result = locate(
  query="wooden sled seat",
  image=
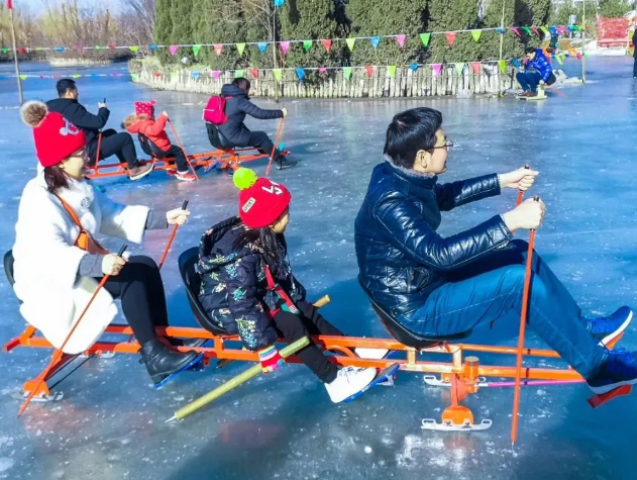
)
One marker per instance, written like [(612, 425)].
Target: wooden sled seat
[(406, 336), (192, 282)]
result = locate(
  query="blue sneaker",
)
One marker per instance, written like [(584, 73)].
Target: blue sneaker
[(619, 369), (608, 328)]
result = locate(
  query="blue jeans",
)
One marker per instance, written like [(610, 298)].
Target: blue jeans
[(487, 290), (529, 81)]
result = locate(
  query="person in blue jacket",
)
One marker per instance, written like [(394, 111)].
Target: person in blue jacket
[(439, 286), (538, 71)]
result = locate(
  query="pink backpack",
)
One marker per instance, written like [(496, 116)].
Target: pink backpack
[(215, 111)]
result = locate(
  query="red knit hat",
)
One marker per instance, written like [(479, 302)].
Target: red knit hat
[(261, 202), (56, 139), (145, 108)]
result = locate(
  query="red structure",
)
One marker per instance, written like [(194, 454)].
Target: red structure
[(612, 32)]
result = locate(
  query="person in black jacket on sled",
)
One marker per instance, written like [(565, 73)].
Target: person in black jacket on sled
[(242, 261), (112, 143), (440, 286), (238, 105)]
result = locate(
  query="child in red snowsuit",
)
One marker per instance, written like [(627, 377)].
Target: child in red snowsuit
[(143, 122)]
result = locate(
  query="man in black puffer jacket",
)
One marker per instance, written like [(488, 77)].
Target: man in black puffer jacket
[(441, 286), (238, 105), (112, 143)]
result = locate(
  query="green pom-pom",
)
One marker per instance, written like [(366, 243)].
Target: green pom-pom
[(244, 178)]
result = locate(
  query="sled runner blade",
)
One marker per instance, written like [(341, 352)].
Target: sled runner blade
[(431, 425), (384, 377)]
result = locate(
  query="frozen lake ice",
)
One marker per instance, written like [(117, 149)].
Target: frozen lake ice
[(110, 424)]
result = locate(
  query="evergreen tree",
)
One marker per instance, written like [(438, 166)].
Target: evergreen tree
[(448, 16), (163, 26), (312, 20), (380, 17), (611, 8)]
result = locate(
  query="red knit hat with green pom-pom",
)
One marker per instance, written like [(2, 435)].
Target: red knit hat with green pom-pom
[(261, 201)]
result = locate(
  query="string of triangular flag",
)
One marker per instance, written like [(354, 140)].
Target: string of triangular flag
[(284, 45)]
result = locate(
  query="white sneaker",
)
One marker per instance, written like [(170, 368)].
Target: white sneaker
[(350, 380), (371, 353)]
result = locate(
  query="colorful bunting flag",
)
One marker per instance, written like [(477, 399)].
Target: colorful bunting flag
[(451, 37), (515, 63), (536, 31), (527, 30), (560, 59), (174, 75), (370, 71), (579, 56), (476, 34), (134, 77), (97, 47), (196, 75), (254, 72), (262, 46), (300, 72), (195, 49), (414, 67), (173, 49), (459, 68), (218, 48), (327, 44), (278, 3), (285, 46), (391, 71), (401, 40), (437, 69), (503, 65), (57, 49), (500, 31), (5, 50), (516, 31), (76, 76), (134, 48), (24, 77), (216, 74), (152, 47), (307, 45), (238, 74), (156, 74), (375, 41), (477, 67), (347, 72), (277, 74), (323, 70), (241, 48), (350, 43), (545, 30), (112, 47), (425, 37)]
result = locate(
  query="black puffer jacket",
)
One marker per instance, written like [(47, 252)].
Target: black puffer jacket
[(75, 113), (238, 104), (401, 257), (234, 290)]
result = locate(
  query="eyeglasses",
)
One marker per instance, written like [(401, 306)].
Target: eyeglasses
[(448, 144)]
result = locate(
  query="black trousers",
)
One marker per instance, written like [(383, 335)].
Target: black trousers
[(141, 291), (113, 143), (180, 158), (635, 68), (293, 327)]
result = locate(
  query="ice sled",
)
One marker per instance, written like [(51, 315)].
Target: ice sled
[(463, 373), (224, 156)]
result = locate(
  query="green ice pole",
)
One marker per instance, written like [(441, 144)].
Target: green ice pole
[(233, 383)]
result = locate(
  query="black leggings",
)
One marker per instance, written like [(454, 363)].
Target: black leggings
[(293, 327), (113, 143), (141, 291), (180, 159)]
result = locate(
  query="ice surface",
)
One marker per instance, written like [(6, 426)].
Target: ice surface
[(110, 424)]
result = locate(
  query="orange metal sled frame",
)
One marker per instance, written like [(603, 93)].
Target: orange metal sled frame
[(227, 158), (462, 372)]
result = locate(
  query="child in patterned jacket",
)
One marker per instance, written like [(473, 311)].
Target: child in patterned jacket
[(239, 261)]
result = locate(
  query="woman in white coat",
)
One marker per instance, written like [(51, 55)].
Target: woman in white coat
[(58, 263)]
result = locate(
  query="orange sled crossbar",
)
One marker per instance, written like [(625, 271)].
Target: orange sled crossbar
[(464, 374), (232, 158)]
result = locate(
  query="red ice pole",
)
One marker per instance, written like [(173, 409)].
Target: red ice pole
[(181, 145), (172, 237), (523, 315), (276, 144), (58, 352)]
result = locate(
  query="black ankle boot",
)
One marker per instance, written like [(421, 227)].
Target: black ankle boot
[(161, 362), (283, 162)]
